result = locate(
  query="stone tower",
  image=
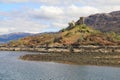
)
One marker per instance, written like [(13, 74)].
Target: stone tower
[(80, 21)]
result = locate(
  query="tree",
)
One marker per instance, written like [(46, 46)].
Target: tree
[(72, 24)]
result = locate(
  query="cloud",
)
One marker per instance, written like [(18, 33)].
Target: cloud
[(51, 15), (67, 2), (59, 25), (48, 12), (62, 15), (100, 2), (48, 2), (75, 11), (21, 25), (13, 1), (3, 30)]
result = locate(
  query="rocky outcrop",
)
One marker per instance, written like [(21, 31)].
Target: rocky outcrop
[(104, 22)]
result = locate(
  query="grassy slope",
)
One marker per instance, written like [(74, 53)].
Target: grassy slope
[(78, 35)]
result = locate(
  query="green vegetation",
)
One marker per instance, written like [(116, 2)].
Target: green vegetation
[(113, 36), (77, 35)]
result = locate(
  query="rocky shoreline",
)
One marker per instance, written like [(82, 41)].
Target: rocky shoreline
[(80, 49), (83, 55), (87, 58)]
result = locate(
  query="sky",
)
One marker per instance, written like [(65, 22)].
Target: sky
[(37, 16)]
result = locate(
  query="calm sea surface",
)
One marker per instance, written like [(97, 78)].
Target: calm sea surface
[(12, 68)]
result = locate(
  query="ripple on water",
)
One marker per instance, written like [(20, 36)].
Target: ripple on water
[(11, 68)]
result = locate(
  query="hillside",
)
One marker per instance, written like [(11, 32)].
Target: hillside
[(73, 35), (105, 22), (12, 36)]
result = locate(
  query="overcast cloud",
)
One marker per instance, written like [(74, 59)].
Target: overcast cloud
[(51, 15)]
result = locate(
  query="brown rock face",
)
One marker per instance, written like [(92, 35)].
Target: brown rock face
[(104, 22)]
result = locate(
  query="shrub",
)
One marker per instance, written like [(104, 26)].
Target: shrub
[(57, 39), (68, 34)]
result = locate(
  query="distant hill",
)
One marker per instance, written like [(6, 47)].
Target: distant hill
[(13, 36), (105, 21), (75, 35)]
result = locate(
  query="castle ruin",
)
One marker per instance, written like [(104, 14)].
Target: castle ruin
[(80, 21)]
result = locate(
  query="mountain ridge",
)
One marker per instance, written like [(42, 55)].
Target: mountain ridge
[(13, 36), (104, 21)]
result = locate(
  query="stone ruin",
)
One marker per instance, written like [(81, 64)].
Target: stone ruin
[(79, 22)]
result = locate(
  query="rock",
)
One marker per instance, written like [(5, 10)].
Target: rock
[(104, 22)]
